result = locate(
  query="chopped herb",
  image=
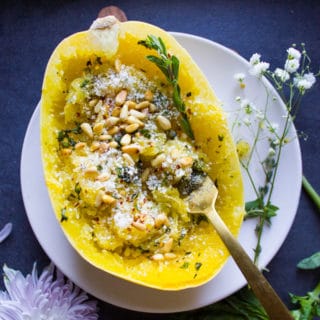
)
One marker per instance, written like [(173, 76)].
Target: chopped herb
[(145, 133), (189, 94), (99, 167), (98, 60), (198, 265), (220, 137), (64, 138), (63, 215), (185, 265), (84, 83)]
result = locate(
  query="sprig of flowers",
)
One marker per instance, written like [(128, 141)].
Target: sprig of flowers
[(291, 82)]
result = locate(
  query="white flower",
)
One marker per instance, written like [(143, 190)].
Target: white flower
[(293, 54), (259, 68), (255, 58), (304, 82), (239, 76), (246, 106), (291, 65), (271, 152), (283, 75), (37, 298)]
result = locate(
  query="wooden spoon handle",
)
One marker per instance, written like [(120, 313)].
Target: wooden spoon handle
[(269, 299)]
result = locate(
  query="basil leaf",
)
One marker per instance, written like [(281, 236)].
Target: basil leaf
[(311, 262)]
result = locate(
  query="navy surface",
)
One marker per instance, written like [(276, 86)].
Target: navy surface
[(30, 30)]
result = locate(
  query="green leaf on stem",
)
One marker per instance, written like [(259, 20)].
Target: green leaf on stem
[(311, 262)]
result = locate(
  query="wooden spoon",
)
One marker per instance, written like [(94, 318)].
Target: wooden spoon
[(203, 201)]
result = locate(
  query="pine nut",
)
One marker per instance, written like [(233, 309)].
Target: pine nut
[(103, 147), (103, 177), (164, 123), (132, 119), (98, 127), (105, 137), (148, 95), (98, 201), (86, 128), (111, 121), (132, 149), (125, 140), (170, 255), (91, 170), (116, 112), (158, 257), (152, 108), (138, 225), (142, 105), (98, 107), (132, 127), (121, 97), (93, 102), (117, 65), (66, 151), (124, 112), (167, 246), (137, 114), (160, 220), (80, 145), (108, 199), (186, 162), (94, 146), (113, 144), (131, 104), (158, 160), (145, 174), (128, 159), (113, 130)]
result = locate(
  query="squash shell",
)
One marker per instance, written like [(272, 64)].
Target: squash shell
[(113, 40)]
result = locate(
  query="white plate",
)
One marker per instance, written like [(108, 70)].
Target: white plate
[(219, 64)]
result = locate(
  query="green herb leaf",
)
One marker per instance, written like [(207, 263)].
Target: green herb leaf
[(185, 265), (309, 305), (64, 217), (169, 66), (311, 262)]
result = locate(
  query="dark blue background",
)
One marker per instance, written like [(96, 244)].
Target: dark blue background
[(30, 30)]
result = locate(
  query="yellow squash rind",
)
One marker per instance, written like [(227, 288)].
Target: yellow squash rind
[(112, 40)]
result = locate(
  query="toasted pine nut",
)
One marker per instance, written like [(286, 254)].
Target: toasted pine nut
[(170, 255), (145, 174), (113, 130), (117, 65), (124, 112), (148, 95), (105, 137), (131, 149), (186, 162), (93, 102), (128, 158), (137, 114), (103, 147), (131, 104), (98, 201), (158, 160), (132, 119), (98, 107), (111, 121), (160, 220), (91, 170), (97, 128), (107, 199), (167, 246), (80, 145), (121, 97), (142, 105), (86, 128), (113, 144), (94, 146), (103, 177), (158, 257), (66, 151), (132, 127), (116, 112), (138, 225), (125, 140), (152, 108), (164, 123)]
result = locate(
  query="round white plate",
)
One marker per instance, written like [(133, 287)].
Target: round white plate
[(219, 64)]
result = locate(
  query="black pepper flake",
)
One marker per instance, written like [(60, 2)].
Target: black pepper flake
[(189, 94)]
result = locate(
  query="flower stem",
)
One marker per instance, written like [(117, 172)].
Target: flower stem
[(311, 192)]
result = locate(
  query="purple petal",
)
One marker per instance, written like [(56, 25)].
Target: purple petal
[(6, 230)]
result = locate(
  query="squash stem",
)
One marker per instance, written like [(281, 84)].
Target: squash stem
[(311, 191)]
